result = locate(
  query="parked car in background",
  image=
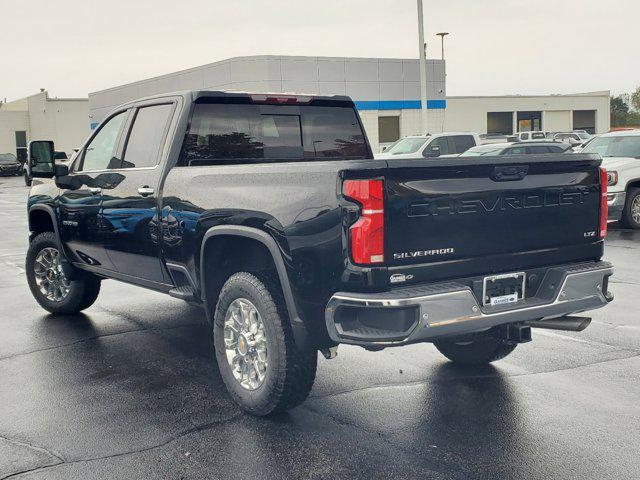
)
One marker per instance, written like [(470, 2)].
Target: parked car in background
[(487, 138), (620, 152), (530, 136), (518, 148), (431, 145), (60, 157), (9, 164), (581, 147), (574, 139)]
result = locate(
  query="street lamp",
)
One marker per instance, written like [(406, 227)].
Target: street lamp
[(442, 35), (423, 69)]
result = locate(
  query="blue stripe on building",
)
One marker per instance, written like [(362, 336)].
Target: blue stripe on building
[(398, 104)]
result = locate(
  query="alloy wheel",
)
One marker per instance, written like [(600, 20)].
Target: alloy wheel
[(49, 275), (635, 209), (245, 343)]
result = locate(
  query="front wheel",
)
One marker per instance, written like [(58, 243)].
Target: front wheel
[(27, 179), (48, 283), (631, 212), (478, 349), (259, 362)]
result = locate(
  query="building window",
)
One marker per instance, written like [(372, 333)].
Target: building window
[(388, 129), (529, 121), (21, 145), (500, 123)]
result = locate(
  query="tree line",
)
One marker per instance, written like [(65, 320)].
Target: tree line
[(625, 109)]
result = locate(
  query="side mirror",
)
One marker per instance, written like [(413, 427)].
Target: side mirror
[(41, 159), (433, 151)]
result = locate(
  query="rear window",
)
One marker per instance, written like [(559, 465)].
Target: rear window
[(406, 146), (482, 151), (618, 146), (462, 143), (249, 133)]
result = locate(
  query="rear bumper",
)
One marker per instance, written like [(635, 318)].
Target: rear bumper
[(428, 312), (615, 202)]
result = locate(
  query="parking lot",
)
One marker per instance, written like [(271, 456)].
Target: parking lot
[(130, 390)]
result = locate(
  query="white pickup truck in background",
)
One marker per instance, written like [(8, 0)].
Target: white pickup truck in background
[(431, 145), (620, 153)]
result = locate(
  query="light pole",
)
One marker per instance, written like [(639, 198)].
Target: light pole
[(423, 71), (442, 35)]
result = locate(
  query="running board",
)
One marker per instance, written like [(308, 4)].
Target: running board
[(183, 293), (571, 324)]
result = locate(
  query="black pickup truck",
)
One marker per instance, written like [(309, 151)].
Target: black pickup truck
[(270, 211)]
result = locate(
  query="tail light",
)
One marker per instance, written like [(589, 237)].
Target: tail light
[(366, 235), (270, 98), (604, 207)]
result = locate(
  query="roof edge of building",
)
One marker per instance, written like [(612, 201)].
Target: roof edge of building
[(258, 57)]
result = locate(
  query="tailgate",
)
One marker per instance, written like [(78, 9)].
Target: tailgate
[(482, 214)]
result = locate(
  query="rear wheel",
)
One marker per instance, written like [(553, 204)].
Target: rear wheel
[(48, 283), (259, 362), (478, 349), (631, 212)]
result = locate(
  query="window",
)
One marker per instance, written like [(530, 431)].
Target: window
[(462, 143), (500, 123), (538, 136), (556, 149), (618, 146), (388, 129), (145, 140), (516, 151), (482, 151), (241, 133), (100, 153), (21, 145), (406, 145), (442, 142), (537, 149)]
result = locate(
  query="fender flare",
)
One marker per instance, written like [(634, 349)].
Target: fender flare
[(299, 331), (54, 221), (70, 271)]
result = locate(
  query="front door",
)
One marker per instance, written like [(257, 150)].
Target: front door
[(82, 229), (130, 209)]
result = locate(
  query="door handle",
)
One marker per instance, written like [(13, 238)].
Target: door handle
[(145, 191), (95, 190)]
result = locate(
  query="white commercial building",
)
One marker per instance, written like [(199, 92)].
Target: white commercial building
[(38, 117), (386, 91)]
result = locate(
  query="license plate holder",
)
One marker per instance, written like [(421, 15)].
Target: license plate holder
[(503, 289)]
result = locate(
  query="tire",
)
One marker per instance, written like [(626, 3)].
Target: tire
[(477, 350), (631, 212), (81, 293), (27, 180), (288, 374)]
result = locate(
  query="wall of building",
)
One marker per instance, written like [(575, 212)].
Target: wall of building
[(10, 122), (65, 121), (470, 113), (380, 87), (388, 86)]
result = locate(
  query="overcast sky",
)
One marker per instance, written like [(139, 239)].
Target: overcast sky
[(73, 47)]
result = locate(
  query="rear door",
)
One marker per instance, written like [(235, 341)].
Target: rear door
[(82, 228), (130, 208)]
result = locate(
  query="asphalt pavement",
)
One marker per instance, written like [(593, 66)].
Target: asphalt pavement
[(130, 390)]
